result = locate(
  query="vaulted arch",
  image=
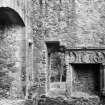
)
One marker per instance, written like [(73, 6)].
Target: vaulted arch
[(9, 17)]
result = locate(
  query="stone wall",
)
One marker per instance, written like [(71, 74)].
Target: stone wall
[(70, 21), (74, 23), (16, 43)]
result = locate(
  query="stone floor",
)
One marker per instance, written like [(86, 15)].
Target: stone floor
[(52, 101), (73, 101)]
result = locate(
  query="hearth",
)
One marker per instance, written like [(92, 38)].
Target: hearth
[(86, 78)]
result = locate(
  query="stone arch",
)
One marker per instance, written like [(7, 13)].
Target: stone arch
[(12, 37), (9, 17)]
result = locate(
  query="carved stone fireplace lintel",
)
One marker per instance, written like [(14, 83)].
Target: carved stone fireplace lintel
[(95, 56)]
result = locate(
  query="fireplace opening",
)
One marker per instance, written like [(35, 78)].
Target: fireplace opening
[(86, 78)]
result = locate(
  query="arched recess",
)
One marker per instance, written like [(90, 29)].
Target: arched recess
[(9, 17), (12, 41)]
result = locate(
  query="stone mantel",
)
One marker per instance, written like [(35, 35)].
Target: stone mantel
[(86, 56)]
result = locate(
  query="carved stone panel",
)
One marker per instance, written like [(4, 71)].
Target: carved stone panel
[(87, 56)]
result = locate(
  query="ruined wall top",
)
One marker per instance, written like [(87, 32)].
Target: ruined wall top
[(75, 23)]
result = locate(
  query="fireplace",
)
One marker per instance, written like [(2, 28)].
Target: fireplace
[(86, 78), (85, 72)]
